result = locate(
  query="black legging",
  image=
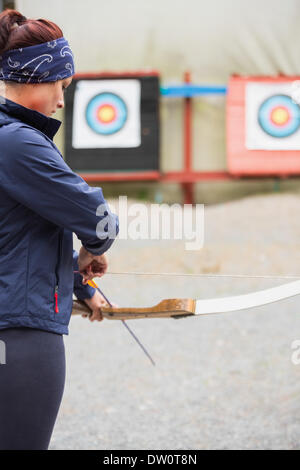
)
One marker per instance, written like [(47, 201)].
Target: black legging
[(31, 387)]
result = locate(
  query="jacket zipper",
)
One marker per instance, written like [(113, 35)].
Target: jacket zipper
[(57, 276), (56, 299)]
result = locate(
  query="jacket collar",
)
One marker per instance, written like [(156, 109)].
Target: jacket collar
[(47, 125)]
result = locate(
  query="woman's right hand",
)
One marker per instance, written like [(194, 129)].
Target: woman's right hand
[(90, 265)]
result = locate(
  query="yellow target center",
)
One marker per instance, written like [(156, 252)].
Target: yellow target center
[(106, 113), (280, 116)]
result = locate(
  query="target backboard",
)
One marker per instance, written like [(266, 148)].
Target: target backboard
[(263, 125), (112, 123)]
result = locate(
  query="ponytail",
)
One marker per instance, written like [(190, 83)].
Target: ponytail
[(18, 31), (9, 20)]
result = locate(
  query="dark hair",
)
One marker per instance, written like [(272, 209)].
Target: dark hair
[(18, 31)]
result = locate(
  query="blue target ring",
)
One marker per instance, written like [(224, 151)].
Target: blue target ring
[(279, 116), (106, 113)]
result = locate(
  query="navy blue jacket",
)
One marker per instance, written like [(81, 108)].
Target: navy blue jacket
[(42, 201)]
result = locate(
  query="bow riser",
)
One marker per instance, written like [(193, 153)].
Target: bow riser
[(165, 309)]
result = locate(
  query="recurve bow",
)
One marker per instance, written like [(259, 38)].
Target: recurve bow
[(178, 308)]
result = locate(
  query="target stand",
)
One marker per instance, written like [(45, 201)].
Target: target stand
[(263, 126)]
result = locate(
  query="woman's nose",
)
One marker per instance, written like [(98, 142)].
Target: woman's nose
[(61, 104)]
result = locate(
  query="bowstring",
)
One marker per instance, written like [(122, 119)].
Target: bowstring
[(239, 276)]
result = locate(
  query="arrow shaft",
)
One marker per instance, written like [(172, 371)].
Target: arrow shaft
[(126, 326)]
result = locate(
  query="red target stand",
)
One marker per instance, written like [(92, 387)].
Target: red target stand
[(263, 126), (187, 177), (262, 130)]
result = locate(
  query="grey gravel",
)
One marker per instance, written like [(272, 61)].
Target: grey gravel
[(220, 382)]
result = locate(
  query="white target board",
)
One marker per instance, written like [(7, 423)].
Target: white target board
[(272, 117), (106, 114)]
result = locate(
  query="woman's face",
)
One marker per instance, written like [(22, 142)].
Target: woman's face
[(43, 97), (48, 97)]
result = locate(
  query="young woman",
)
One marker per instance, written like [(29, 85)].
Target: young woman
[(42, 201)]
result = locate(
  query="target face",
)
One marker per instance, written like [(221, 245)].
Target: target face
[(279, 116), (272, 117), (106, 114)]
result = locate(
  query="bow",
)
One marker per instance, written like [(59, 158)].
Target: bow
[(178, 308)]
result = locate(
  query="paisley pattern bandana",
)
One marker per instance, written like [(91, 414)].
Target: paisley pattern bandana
[(46, 62)]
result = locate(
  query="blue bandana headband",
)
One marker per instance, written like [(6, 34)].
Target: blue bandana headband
[(46, 62)]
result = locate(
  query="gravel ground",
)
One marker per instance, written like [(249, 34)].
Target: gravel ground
[(220, 382)]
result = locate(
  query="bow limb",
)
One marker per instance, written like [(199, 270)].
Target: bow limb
[(245, 301)]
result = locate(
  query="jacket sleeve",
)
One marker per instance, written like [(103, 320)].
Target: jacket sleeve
[(82, 291), (35, 174)]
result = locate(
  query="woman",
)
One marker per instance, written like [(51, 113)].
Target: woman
[(41, 203)]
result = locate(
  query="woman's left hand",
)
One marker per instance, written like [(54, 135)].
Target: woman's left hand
[(95, 304)]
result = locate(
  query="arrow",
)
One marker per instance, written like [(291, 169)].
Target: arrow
[(93, 284)]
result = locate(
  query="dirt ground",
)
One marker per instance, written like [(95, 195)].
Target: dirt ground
[(221, 382)]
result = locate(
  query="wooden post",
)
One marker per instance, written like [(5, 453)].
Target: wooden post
[(188, 194)]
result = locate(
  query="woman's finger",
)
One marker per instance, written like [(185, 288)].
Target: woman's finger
[(89, 276), (96, 315)]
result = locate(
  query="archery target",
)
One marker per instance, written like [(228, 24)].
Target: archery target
[(272, 117), (279, 116), (106, 114)]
